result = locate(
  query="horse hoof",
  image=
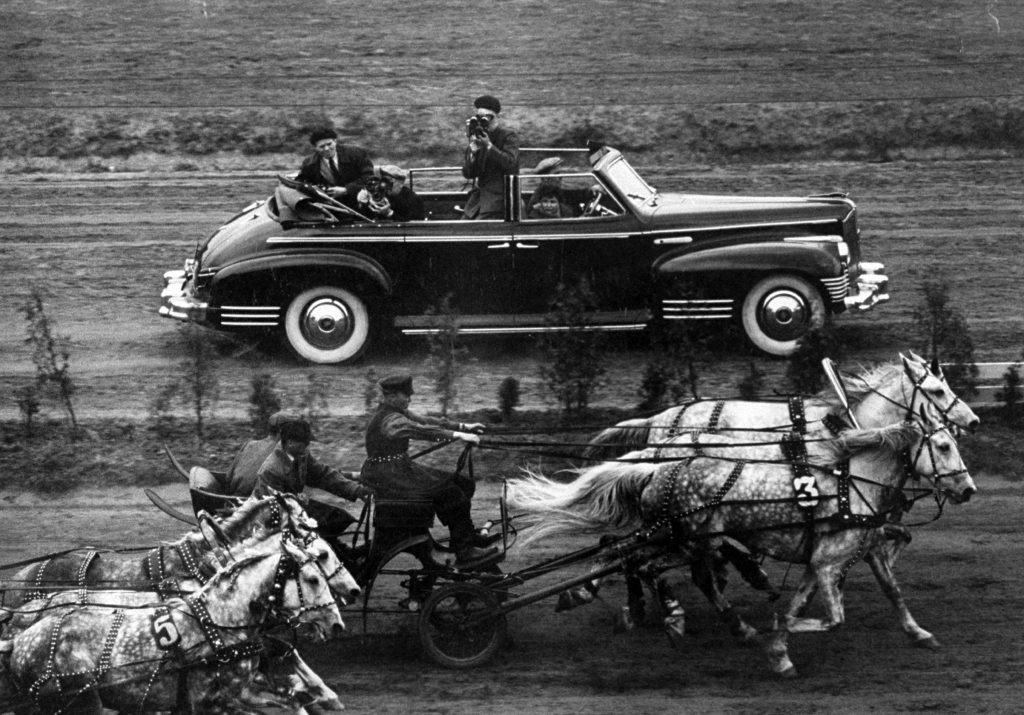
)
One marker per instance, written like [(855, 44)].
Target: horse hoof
[(929, 643), (788, 674)]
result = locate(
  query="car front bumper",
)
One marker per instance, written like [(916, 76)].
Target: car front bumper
[(872, 288), (175, 301)]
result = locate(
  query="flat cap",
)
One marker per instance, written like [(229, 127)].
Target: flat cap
[(397, 383), (277, 419), (391, 171), (297, 430), (487, 101)]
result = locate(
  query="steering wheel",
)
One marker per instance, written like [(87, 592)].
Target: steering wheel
[(594, 207)]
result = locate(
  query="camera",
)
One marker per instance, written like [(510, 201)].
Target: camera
[(477, 126), (378, 188)]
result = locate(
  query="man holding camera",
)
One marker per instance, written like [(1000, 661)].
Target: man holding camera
[(492, 154), (386, 196)]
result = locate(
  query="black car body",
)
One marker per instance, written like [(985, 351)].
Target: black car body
[(327, 278)]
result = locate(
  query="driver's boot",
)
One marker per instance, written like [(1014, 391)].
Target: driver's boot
[(463, 535)]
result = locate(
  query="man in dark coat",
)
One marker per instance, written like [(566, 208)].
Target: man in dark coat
[(339, 169), (241, 475), (492, 154), (290, 468), (392, 474)]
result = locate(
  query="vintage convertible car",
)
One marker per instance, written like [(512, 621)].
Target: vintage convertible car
[(328, 277)]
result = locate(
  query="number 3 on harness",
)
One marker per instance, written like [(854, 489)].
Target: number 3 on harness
[(806, 490)]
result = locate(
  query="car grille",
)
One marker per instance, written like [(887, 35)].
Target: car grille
[(697, 309), (243, 316), (837, 288)]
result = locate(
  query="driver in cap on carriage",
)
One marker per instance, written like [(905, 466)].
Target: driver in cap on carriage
[(392, 474), (290, 468)]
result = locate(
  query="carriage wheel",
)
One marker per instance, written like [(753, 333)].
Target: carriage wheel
[(461, 626)]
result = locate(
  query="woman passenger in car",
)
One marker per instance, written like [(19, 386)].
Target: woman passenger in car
[(547, 202)]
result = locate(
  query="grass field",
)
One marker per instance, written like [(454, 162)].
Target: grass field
[(193, 84)]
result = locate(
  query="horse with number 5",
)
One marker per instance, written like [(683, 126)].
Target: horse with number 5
[(191, 653), (693, 504)]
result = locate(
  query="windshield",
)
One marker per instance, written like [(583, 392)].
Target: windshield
[(629, 182)]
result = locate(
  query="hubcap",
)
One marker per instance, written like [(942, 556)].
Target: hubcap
[(327, 323), (784, 315)]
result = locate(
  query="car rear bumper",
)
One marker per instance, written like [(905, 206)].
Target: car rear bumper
[(872, 288), (175, 302)]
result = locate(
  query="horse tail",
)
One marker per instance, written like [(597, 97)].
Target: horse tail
[(612, 442), (601, 498)]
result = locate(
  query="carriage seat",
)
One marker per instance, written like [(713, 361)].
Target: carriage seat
[(203, 478), (403, 513)]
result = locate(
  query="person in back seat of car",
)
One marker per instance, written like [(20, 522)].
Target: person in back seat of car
[(387, 197), (392, 474), (291, 468), (492, 154), (340, 170)]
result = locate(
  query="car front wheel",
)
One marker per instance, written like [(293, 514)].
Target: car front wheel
[(779, 310), (327, 325)]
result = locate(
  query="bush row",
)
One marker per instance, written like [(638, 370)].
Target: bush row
[(871, 130)]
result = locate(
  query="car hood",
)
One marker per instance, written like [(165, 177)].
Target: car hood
[(242, 236), (712, 211)]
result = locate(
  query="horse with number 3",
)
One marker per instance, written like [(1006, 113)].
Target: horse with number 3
[(691, 505)]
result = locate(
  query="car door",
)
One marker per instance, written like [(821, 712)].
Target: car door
[(469, 260), (605, 249)]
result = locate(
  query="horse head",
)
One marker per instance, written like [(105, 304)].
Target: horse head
[(936, 457), (308, 597), (929, 385), (924, 446)]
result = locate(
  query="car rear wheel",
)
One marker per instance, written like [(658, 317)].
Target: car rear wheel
[(779, 310), (327, 325)]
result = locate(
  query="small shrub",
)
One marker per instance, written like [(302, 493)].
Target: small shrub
[(508, 397), (160, 412), (264, 401), (313, 401), (445, 352), (752, 385), (51, 356), (804, 371), (199, 380), (371, 391), (944, 336), (1011, 396), (28, 406), (573, 361)]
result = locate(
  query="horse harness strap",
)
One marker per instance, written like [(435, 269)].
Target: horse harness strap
[(41, 591), (222, 652), (797, 414), (713, 503)]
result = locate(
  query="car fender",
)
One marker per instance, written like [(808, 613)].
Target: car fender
[(806, 258), (314, 260)]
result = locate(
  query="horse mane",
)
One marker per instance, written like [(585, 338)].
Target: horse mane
[(242, 519), (891, 438), (863, 384)]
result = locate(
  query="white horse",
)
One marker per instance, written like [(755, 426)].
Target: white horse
[(786, 432), (691, 505), (199, 651)]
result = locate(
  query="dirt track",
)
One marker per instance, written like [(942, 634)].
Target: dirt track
[(100, 242), (960, 575)]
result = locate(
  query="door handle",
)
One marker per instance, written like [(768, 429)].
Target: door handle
[(520, 244), (506, 244)]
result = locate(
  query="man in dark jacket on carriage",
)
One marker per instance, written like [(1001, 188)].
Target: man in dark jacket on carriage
[(241, 475), (290, 468), (391, 473)]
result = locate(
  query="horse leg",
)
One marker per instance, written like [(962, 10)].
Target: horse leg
[(748, 567), (704, 576), (881, 566), (675, 615), (828, 577)]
